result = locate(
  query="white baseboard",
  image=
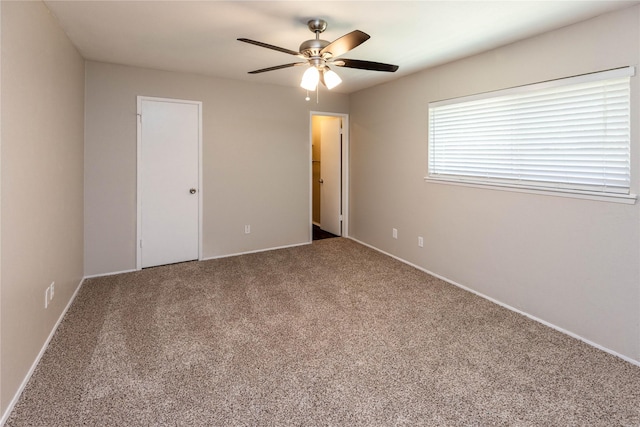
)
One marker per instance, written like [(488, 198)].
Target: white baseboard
[(256, 251), (109, 274), (508, 307), (18, 393)]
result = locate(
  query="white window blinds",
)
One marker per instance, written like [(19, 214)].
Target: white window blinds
[(569, 134)]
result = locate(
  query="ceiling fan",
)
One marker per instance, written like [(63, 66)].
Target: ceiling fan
[(319, 54)]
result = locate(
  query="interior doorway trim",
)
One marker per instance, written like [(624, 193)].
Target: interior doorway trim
[(139, 172), (345, 171)]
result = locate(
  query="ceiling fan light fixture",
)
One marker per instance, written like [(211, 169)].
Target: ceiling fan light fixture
[(331, 78), (310, 79)]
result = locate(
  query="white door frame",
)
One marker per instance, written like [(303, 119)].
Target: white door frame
[(345, 171), (139, 172)]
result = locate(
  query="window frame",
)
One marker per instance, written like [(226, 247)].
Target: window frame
[(532, 186)]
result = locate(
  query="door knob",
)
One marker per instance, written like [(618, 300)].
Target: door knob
[(192, 191), (321, 180)]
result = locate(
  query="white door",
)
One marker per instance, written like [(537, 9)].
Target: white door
[(330, 174), (168, 192)]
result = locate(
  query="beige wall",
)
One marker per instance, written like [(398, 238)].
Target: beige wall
[(256, 166), (42, 189), (571, 262)]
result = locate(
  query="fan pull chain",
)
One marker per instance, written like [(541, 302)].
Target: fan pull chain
[(307, 98)]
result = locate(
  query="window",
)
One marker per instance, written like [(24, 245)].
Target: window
[(568, 135)]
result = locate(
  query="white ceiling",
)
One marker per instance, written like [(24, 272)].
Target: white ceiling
[(200, 37)]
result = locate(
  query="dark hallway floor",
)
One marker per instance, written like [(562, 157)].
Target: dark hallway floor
[(319, 234)]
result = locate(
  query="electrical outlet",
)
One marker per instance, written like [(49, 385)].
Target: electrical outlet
[(420, 242), (394, 233), (247, 229)]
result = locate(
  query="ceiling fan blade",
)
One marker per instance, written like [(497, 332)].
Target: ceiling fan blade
[(277, 67), (365, 65), (345, 43), (270, 46)]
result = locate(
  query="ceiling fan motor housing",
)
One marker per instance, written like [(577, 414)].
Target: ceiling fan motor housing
[(312, 48)]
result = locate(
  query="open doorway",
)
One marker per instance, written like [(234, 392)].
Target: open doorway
[(328, 175)]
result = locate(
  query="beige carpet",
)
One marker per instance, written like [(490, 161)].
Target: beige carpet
[(332, 333)]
